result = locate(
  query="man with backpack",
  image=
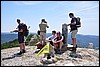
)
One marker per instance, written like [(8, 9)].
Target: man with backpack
[(20, 36), (74, 29)]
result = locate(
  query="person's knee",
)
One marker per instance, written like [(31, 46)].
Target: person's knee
[(73, 38), (61, 43)]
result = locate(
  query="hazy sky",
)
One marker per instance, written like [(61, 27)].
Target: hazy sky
[(55, 13)]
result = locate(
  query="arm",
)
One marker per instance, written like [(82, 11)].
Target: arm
[(18, 30), (73, 22), (47, 25), (61, 39), (53, 40), (48, 39), (68, 24)]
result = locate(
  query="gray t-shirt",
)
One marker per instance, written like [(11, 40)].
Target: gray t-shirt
[(43, 26)]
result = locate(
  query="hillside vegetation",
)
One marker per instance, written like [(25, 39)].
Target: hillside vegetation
[(15, 43)]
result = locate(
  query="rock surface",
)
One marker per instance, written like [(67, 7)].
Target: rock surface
[(85, 57)]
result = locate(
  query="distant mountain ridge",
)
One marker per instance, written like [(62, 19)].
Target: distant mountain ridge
[(82, 40)]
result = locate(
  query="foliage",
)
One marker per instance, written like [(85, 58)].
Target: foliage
[(15, 43), (34, 41), (10, 44), (28, 39)]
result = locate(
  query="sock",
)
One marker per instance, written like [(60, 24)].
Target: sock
[(74, 45), (21, 50)]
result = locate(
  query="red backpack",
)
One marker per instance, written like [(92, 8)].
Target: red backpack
[(38, 46), (25, 30)]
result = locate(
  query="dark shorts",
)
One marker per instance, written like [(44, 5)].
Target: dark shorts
[(21, 39)]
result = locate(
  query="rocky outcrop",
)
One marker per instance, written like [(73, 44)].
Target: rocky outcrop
[(85, 57)]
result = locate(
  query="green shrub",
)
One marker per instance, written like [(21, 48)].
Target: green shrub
[(15, 43), (10, 44)]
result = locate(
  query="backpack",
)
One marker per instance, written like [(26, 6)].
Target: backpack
[(78, 23), (38, 46), (38, 32), (25, 30)]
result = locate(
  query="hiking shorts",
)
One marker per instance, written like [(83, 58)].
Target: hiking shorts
[(73, 34), (21, 39), (42, 35)]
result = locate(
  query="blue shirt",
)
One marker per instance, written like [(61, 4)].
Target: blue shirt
[(19, 28)]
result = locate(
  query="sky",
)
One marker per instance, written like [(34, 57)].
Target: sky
[(56, 13)]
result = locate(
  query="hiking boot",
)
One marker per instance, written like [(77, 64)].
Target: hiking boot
[(59, 51), (20, 53), (48, 56), (56, 51), (53, 56), (73, 53), (76, 45), (24, 51), (74, 49)]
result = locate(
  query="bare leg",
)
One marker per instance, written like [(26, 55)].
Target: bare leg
[(74, 42), (43, 41), (41, 38), (61, 44), (24, 46), (55, 45), (21, 47), (74, 37)]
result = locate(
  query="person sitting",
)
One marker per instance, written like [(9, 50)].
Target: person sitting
[(58, 43), (50, 38)]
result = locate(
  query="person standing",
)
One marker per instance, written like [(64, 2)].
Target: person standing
[(43, 25), (20, 37), (73, 30)]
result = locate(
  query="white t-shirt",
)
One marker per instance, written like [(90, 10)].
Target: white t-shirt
[(51, 37)]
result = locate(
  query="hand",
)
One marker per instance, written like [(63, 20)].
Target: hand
[(59, 41), (11, 31), (54, 41), (47, 26)]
